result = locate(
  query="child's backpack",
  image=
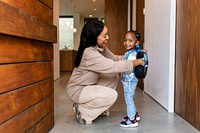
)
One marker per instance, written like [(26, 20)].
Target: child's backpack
[(141, 71)]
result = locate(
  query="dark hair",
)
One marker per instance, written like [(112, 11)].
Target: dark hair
[(91, 30), (137, 34)]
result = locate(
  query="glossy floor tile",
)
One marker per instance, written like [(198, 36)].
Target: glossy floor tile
[(154, 118)]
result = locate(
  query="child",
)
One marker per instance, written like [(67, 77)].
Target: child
[(129, 80)]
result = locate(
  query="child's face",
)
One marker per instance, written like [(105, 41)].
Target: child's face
[(130, 40)]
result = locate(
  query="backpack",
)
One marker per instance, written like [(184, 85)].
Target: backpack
[(140, 70)]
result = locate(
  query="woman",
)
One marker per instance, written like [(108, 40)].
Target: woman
[(95, 76)]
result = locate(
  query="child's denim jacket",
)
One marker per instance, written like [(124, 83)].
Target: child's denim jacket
[(129, 55)]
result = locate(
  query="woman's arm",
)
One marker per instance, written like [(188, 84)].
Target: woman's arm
[(138, 62), (108, 54)]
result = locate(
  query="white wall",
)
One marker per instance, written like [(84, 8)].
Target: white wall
[(160, 43), (56, 54)]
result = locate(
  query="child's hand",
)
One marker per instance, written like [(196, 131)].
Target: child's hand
[(144, 50), (137, 42)]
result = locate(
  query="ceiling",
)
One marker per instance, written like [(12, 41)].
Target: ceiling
[(82, 7)]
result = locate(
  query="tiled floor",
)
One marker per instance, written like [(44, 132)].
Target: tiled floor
[(154, 118)]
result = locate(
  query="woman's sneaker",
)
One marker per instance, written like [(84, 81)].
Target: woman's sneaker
[(129, 123), (137, 117), (105, 113), (78, 115)]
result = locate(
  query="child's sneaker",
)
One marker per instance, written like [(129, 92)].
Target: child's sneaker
[(79, 117), (129, 123), (137, 117)]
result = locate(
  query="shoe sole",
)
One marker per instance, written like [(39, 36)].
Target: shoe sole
[(129, 126)]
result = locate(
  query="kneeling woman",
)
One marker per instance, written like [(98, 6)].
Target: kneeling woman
[(95, 76)]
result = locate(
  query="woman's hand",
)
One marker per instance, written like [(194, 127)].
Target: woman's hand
[(138, 62)]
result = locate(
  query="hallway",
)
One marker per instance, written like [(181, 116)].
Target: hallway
[(154, 118)]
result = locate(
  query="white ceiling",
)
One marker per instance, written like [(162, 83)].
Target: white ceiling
[(83, 7)]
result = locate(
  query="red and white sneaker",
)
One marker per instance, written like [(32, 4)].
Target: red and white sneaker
[(137, 117), (129, 123)]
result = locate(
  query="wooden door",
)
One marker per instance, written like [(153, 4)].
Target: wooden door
[(187, 70), (140, 28), (26, 66), (116, 19)]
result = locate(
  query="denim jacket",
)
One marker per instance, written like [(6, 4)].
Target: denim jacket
[(129, 55)]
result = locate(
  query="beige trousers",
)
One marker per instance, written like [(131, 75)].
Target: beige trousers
[(96, 99)]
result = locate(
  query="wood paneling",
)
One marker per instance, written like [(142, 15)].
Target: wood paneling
[(140, 20), (29, 118), (26, 66), (67, 58), (140, 28), (13, 76), (30, 50), (116, 16), (48, 3), (46, 122), (33, 7), (187, 71), (25, 25), (19, 100)]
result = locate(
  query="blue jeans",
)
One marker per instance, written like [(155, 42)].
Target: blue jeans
[(129, 90)]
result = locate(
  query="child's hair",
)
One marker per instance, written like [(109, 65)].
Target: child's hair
[(137, 34)]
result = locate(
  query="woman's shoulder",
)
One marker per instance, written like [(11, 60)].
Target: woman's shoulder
[(91, 51), (94, 48)]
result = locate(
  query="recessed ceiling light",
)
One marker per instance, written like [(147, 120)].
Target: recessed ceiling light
[(90, 16), (95, 9), (93, 0), (74, 30)]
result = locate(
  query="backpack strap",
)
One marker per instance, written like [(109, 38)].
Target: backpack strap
[(146, 59)]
